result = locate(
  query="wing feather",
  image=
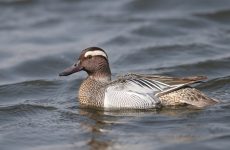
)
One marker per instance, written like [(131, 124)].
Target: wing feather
[(142, 91)]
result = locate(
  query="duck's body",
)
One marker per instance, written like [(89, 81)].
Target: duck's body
[(132, 91), (124, 93)]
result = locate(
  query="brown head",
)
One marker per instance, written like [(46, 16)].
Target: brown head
[(94, 61)]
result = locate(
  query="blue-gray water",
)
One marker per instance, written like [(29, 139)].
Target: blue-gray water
[(39, 38)]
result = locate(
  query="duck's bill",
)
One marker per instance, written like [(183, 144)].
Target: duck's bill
[(70, 70)]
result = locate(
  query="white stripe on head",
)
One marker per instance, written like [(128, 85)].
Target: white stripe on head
[(95, 53)]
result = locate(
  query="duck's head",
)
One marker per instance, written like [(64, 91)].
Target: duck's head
[(94, 61)]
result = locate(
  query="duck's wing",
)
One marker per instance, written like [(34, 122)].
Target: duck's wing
[(129, 93), (135, 92), (167, 79), (117, 98), (160, 84)]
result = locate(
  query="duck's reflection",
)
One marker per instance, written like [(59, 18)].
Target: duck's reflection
[(97, 126), (100, 122)]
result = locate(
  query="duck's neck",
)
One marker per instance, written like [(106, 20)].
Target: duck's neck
[(101, 75)]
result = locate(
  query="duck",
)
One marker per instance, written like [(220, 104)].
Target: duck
[(132, 90)]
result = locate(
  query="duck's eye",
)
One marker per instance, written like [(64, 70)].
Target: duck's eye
[(90, 56)]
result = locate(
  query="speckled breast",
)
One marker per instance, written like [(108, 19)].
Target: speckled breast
[(91, 93)]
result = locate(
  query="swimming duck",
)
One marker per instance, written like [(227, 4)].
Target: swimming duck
[(132, 91)]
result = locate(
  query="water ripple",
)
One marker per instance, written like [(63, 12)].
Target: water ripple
[(221, 16)]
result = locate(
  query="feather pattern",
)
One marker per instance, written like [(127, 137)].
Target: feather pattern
[(133, 93), (115, 98), (140, 91)]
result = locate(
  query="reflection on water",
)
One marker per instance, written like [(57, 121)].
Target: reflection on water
[(97, 128), (100, 123)]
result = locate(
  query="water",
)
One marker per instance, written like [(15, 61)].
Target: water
[(39, 38)]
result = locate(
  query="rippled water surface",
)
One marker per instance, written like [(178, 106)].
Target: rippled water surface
[(39, 38)]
